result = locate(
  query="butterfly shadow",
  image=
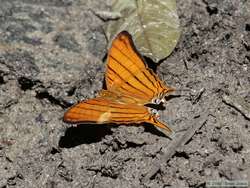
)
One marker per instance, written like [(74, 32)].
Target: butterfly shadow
[(84, 134), (153, 130), (150, 63)]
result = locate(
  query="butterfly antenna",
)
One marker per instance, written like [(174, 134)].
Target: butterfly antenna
[(182, 92)]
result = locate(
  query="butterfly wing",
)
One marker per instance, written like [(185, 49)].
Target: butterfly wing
[(101, 110), (130, 85), (127, 73)]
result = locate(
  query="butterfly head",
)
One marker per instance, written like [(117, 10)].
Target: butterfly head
[(161, 98), (154, 112)]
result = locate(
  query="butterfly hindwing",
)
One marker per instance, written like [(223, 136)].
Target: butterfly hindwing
[(108, 109)]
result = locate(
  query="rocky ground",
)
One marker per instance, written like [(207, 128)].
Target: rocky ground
[(51, 56)]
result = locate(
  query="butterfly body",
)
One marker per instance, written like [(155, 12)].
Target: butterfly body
[(130, 86)]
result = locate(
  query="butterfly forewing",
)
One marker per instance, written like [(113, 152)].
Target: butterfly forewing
[(102, 110), (127, 73)]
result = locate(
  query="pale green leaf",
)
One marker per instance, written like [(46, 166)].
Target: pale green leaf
[(154, 25)]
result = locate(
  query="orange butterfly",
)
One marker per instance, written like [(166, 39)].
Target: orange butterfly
[(130, 86)]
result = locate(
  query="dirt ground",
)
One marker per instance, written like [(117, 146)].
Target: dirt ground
[(51, 56)]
